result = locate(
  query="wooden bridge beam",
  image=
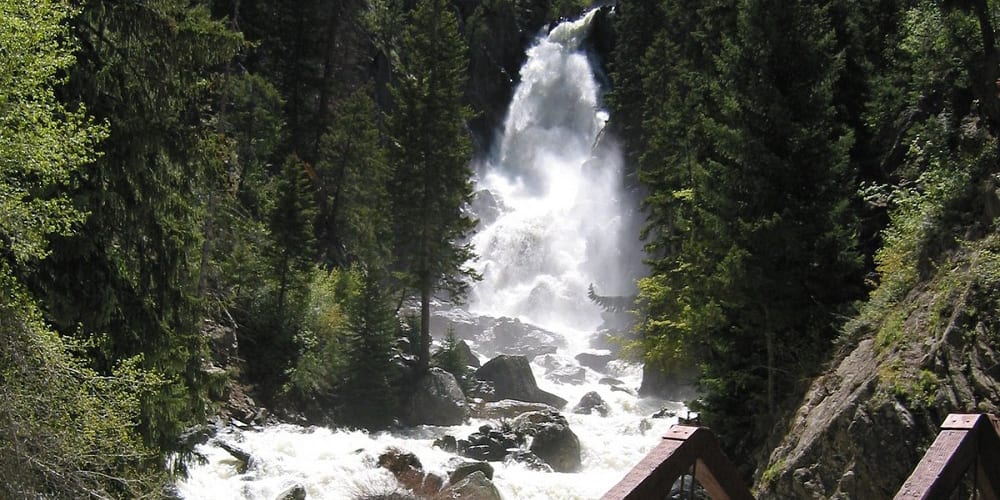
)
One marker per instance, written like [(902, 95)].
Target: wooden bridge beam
[(682, 447), (965, 442)]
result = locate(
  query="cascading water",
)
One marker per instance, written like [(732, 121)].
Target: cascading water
[(558, 221), (565, 222)]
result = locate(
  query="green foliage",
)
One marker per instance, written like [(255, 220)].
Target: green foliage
[(367, 394), (322, 343), (65, 430), (749, 234), (42, 142), (354, 209), (346, 350), (452, 360)]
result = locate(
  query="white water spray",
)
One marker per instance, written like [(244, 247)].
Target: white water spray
[(566, 220), (562, 223)]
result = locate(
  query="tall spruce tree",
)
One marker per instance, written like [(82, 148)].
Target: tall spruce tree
[(777, 196), (131, 271), (367, 394), (354, 207), (432, 182)]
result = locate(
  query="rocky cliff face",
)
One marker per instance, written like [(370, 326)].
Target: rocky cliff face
[(866, 423)]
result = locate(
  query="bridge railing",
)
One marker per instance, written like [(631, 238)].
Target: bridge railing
[(682, 449), (966, 443)]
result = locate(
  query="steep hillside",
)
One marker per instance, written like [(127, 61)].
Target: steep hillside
[(864, 425)]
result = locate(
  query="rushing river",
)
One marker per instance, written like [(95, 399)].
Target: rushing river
[(561, 221)]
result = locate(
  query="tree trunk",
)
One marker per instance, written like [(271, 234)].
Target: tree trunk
[(424, 359)]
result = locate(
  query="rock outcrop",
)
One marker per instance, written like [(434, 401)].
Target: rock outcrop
[(511, 378), (863, 426), (436, 399)]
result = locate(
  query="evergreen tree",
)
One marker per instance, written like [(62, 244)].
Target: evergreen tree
[(432, 181), (367, 394), (66, 431), (354, 175), (132, 270), (778, 199)]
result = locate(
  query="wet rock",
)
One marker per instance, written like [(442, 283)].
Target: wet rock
[(591, 403), (505, 409), (407, 469), (512, 379), (396, 461), (610, 381), (294, 492), (665, 413), (568, 375), (446, 443), (621, 388), (598, 362), (464, 469), (554, 442), (244, 460), (529, 459), (486, 206), (474, 486), (437, 399), (496, 335)]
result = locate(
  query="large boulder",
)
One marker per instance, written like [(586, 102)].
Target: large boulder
[(554, 442), (436, 400), (598, 362), (474, 486), (511, 378), (505, 409)]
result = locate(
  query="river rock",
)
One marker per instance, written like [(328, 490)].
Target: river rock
[(505, 409), (446, 443), (486, 206), (593, 361), (590, 403), (490, 445), (293, 492), (554, 442), (512, 379), (407, 469), (575, 375), (529, 459), (465, 468), (474, 486), (436, 400)]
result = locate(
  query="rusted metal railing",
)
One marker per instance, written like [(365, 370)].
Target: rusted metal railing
[(682, 449), (966, 443)]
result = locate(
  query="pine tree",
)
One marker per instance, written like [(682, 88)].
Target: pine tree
[(777, 203), (131, 271), (354, 174), (432, 182), (367, 394)]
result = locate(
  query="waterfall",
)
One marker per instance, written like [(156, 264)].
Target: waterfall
[(554, 219), (565, 219)]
